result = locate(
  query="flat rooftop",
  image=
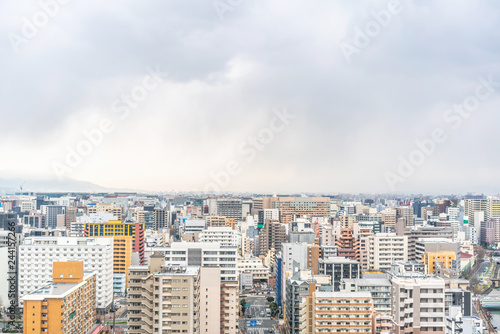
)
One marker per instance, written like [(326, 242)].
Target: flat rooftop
[(56, 290)]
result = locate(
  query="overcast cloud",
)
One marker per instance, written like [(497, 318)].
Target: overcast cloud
[(226, 78)]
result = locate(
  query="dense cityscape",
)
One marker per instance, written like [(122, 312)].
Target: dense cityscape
[(138, 263), (249, 167)]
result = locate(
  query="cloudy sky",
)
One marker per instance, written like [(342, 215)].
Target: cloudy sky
[(275, 96)]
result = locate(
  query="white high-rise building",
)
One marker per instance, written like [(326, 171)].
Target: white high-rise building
[(211, 254), (380, 251), (226, 236), (452, 212), (37, 255)]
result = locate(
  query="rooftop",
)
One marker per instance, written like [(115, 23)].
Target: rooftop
[(57, 290), (343, 294)]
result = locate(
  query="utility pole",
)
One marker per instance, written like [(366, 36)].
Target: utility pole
[(114, 311)]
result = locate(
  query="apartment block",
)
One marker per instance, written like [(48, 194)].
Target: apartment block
[(444, 259), (230, 208), (424, 232), (379, 288), (302, 206), (389, 218), (160, 219), (405, 213), (37, 255), (471, 206), (347, 244), (221, 221), (122, 254), (338, 269), (163, 299), (347, 222), (117, 211), (272, 235), (418, 305), (115, 228), (203, 254), (67, 305), (381, 250), (253, 265), (346, 312), (225, 236), (180, 299)]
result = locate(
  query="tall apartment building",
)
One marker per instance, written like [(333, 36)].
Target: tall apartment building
[(180, 299), (291, 255), (418, 305), (302, 206), (380, 251), (493, 208), (70, 216), (260, 203), (160, 219), (163, 299), (67, 305), (296, 308), (437, 245), (272, 235), (471, 206), (338, 269), (311, 309), (37, 255), (52, 213), (487, 233), (405, 212), (268, 214), (445, 259), (253, 265), (122, 254), (221, 221), (230, 208), (346, 312), (389, 218), (203, 254), (347, 222), (424, 232), (225, 236), (314, 253), (114, 228), (347, 245), (112, 208), (35, 221), (379, 288)]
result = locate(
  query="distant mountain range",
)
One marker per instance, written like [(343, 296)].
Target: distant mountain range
[(13, 185)]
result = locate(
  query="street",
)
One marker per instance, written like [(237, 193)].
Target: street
[(257, 321)]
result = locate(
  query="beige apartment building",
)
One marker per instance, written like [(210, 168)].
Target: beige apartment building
[(347, 221), (418, 305), (389, 217), (117, 211), (406, 214), (348, 312), (180, 299), (332, 312), (221, 221), (289, 206)]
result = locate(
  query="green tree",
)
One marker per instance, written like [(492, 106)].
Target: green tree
[(270, 299), (243, 308), (274, 308)]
